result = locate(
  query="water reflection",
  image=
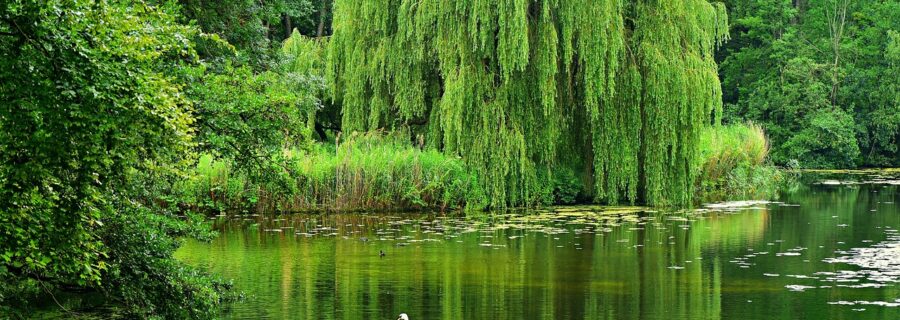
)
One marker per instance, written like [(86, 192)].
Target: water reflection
[(575, 262)]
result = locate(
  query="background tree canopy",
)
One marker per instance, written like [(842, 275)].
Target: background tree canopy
[(820, 76), (256, 28)]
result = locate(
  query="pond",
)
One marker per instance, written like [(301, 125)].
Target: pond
[(827, 249)]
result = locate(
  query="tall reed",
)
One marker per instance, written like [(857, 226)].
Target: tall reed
[(733, 164)]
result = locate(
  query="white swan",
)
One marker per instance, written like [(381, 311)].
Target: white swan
[(403, 316)]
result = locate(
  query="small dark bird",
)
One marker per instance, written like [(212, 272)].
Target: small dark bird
[(381, 253)]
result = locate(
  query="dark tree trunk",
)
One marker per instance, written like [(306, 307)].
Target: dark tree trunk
[(799, 5), (286, 22), (323, 11)]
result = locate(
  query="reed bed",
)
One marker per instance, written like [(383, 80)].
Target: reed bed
[(367, 172)]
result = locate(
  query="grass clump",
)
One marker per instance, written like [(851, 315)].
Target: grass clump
[(733, 164)]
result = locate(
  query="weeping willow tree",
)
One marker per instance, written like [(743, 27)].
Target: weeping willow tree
[(614, 89)]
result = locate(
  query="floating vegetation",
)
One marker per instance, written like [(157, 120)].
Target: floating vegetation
[(878, 266), (431, 228), (889, 177), (739, 205), (874, 171), (893, 182), (800, 276), (880, 263), (893, 304), (798, 288)]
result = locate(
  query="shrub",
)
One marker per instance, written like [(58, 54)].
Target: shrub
[(567, 188), (733, 164), (828, 142)]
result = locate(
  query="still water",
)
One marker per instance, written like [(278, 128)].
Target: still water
[(826, 250)]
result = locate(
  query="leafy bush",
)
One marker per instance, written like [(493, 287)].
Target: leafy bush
[(94, 103), (567, 188), (143, 276), (212, 186), (829, 141)]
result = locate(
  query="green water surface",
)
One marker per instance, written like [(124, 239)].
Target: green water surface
[(825, 251)]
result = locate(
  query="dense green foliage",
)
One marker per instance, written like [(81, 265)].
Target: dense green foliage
[(89, 108), (819, 76), (516, 87)]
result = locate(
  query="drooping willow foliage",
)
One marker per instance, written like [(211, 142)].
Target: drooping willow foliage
[(614, 89)]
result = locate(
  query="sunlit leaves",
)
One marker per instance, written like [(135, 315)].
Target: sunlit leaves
[(88, 99)]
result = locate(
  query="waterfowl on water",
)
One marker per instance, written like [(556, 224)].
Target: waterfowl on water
[(381, 253), (403, 316)]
